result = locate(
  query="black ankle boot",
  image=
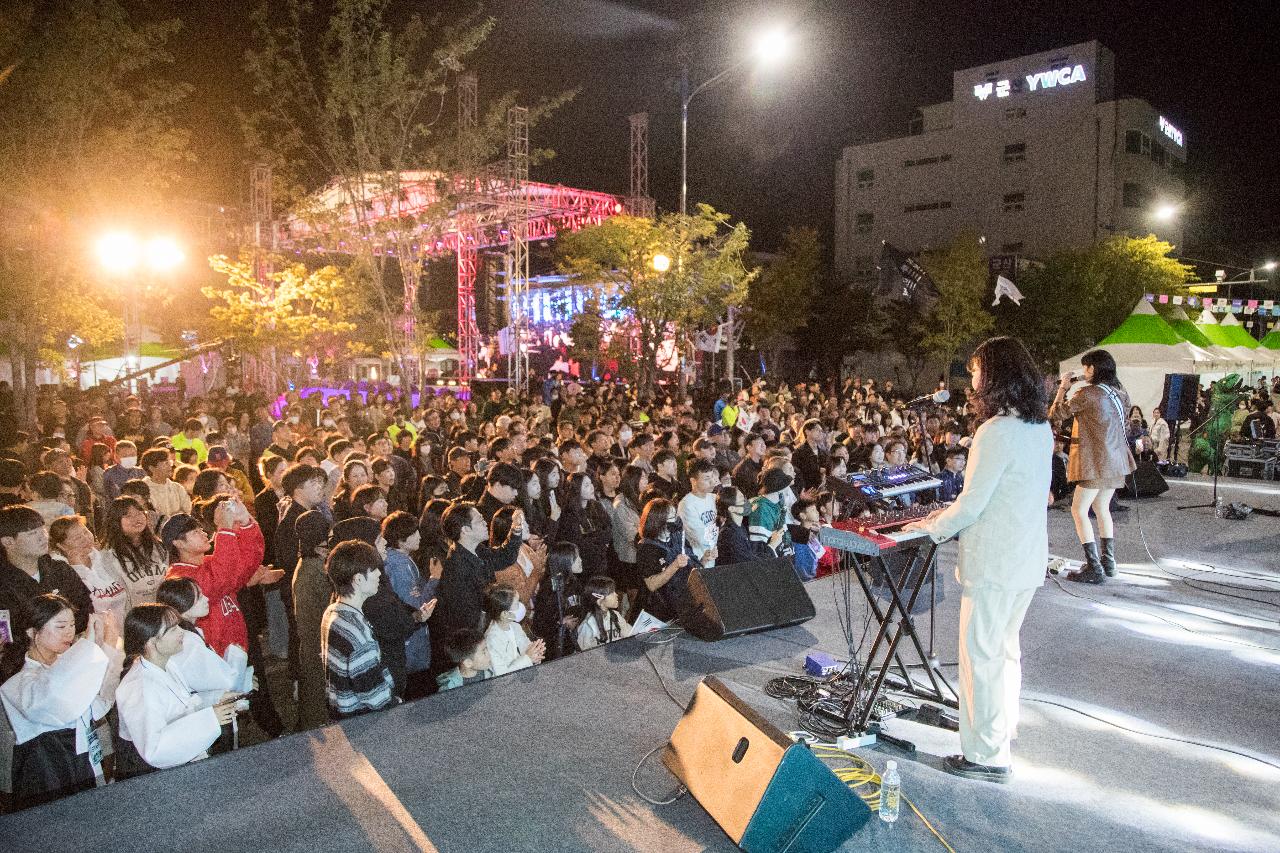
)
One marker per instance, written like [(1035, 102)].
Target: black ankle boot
[(1091, 571), (1107, 556)]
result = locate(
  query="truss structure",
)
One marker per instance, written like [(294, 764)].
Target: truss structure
[(640, 203)]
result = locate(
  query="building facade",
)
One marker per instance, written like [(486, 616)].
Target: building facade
[(1034, 154)]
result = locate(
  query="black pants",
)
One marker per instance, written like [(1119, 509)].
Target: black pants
[(253, 604)]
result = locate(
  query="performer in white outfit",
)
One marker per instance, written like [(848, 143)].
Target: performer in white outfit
[(163, 722), (1004, 544)]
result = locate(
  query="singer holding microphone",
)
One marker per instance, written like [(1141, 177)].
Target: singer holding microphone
[(1099, 458)]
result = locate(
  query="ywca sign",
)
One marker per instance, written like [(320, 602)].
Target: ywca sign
[(1064, 76), (1170, 131)]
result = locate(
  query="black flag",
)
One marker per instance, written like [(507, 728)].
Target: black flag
[(902, 279)]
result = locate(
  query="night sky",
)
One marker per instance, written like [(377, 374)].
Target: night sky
[(763, 145)]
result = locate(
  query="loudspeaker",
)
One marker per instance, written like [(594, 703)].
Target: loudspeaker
[(1252, 469), (1149, 480), (742, 598), (766, 792), (1179, 400)]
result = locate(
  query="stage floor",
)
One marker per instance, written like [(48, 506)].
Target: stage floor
[(1118, 680)]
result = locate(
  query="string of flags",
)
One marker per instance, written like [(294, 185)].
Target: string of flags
[(1219, 304)]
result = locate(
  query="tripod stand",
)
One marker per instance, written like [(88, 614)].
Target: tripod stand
[(1214, 463)]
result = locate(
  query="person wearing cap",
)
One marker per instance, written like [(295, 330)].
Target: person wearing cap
[(236, 562), (220, 460), (767, 516)]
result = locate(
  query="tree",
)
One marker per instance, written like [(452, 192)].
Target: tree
[(351, 113), (958, 319), (778, 299), (296, 308), (87, 137), (1078, 296), (706, 274)]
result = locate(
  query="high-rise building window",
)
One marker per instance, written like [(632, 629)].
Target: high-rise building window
[(863, 223), (1133, 195), (1014, 202), (1015, 152), (866, 179), (1137, 142)]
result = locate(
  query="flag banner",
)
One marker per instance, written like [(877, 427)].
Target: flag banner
[(902, 279), (1004, 288), (1164, 299), (1268, 303), (1150, 297), (1177, 300), (1193, 301)]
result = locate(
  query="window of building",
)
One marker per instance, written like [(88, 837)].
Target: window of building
[(1177, 168), (1015, 112), (1011, 248), (1159, 154), (916, 127), (927, 205), (1015, 152), (1133, 195), (863, 223), (926, 161), (1137, 142), (1014, 202), (866, 179)]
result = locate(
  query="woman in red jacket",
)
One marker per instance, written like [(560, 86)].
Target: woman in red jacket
[(236, 562)]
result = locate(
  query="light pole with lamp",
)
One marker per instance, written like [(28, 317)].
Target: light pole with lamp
[(121, 253), (770, 47)]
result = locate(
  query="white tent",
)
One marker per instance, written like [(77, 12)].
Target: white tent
[(1146, 349)]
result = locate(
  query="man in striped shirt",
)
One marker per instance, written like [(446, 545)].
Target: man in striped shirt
[(356, 679)]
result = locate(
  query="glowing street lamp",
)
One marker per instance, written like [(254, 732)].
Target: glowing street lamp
[(117, 252), (661, 263), (120, 253), (772, 46), (1269, 266), (1166, 212)]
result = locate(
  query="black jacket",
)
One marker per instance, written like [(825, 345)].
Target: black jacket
[(734, 546), (392, 623), (808, 464), (461, 590), (17, 589)]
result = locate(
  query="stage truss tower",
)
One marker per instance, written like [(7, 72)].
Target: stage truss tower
[(640, 203), (517, 258), (467, 250)]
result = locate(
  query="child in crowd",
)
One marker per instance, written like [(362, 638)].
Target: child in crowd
[(469, 649), (604, 622), (509, 647)]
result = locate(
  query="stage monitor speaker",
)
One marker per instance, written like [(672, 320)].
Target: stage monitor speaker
[(726, 601), (1179, 400), (766, 792), (1149, 480)]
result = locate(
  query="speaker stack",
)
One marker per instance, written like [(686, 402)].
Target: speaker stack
[(742, 598)]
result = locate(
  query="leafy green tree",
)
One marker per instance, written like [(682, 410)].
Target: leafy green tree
[(778, 299), (294, 308), (87, 139), (1078, 296), (958, 319), (345, 117), (706, 273)]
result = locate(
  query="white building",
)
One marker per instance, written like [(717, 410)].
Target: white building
[(1035, 154)]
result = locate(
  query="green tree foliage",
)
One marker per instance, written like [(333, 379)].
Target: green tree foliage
[(294, 308), (1079, 296), (778, 299), (707, 272), (87, 141), (345, 116), (958, 319)]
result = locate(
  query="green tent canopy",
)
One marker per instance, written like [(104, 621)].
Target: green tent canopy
[(1182, 325), (1208, 326), (1143, 326), (1240, 336), (1272, 340)]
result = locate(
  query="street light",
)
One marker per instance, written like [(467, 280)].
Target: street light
[(661, 263), (120, 253), (770, 48), (1166, 212)]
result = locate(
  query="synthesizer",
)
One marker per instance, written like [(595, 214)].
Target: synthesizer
[(876, 534), (891, 481)]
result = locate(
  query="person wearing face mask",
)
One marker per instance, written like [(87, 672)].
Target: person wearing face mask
[(661, 563), (733, 544), (125, 469), (509, 646)]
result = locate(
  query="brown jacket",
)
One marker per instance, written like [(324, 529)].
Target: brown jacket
[(1099, 437)]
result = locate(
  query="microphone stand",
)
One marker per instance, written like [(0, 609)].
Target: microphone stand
[(1213, 502)]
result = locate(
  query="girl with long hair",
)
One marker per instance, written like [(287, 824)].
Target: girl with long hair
[(509, 646), (558, 606), (131, 550), (1100, 457), (1004, 545), (586, 524), (604, 622), (661, 564)]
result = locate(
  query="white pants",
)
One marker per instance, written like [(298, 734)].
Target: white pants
[(990, 671)]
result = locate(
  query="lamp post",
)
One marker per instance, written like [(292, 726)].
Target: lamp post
[(119, 254), (770, 47)]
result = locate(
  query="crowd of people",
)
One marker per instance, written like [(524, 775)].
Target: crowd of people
[(157, 554)]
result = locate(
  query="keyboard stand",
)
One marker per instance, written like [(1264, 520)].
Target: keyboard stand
[(894, 622)]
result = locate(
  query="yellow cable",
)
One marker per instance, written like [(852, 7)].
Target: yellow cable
[(862, 773)]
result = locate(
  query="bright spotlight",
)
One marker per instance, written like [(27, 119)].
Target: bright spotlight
[(163, 253), (118, 252), (772, 46), (1166, 212), (661, 263), (1269, 266)]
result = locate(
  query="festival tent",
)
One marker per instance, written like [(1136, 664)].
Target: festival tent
[(1272, 340), (1228, 334), (1146, 348)]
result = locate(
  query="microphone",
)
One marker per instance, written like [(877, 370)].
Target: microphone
[(937, 397)]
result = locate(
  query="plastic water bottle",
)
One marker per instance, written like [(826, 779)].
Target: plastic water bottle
[(890, 792)]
